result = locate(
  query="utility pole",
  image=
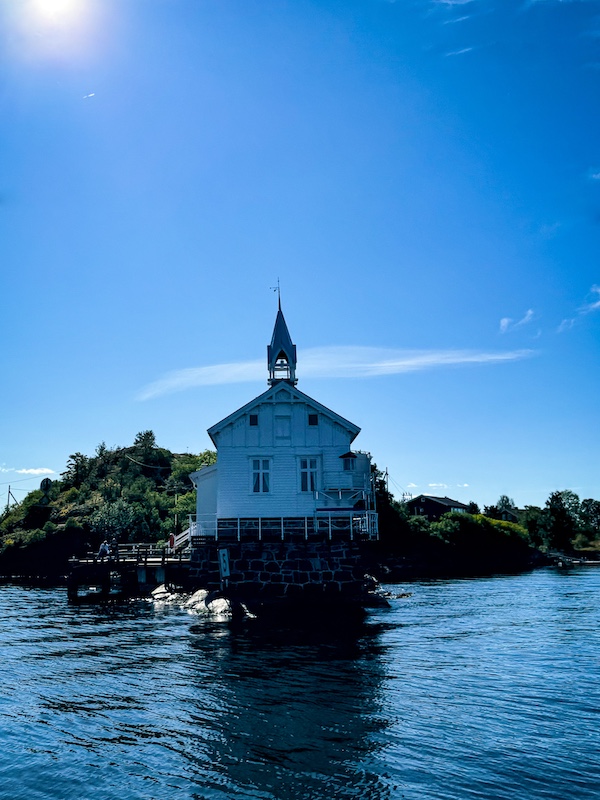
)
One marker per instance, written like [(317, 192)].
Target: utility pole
[(10, 494)]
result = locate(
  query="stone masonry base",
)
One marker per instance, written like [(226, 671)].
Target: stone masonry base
[(282, 571)]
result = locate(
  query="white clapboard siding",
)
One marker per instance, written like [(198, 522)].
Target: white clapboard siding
[(283, 435)]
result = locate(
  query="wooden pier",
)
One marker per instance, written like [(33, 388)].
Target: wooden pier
[(132, 570)]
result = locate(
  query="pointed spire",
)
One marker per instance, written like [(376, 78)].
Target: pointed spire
[(281, 353)]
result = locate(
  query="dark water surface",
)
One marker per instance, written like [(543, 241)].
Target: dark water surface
[(484, 688)]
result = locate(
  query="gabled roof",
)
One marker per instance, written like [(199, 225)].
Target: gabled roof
[(290, 393), (443, 501)]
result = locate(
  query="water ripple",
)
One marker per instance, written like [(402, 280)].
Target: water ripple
[(465, 689)]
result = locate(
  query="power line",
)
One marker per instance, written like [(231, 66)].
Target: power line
[(21, 480), (148, 466), (401, 489)]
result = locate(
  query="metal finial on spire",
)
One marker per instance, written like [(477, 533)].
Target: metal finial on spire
[(278, 290)]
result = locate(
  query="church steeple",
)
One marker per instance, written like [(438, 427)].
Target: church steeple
[(281, 353)]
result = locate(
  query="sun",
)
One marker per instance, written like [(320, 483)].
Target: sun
[(62, 31), (57, 9)]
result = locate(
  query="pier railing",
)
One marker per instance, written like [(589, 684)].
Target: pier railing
[(139, 553)]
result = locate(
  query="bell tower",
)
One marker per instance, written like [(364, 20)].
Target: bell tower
[(281, 353)]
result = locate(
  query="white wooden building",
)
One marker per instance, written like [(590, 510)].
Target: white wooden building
[(285, 468)]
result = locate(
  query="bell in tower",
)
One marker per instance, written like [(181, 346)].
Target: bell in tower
[(281, 353)]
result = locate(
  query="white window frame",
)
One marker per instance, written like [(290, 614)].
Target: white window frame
[(308, 467), (260, 475)]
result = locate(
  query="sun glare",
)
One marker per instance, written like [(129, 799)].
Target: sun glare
[(57, 9), (57, 30)]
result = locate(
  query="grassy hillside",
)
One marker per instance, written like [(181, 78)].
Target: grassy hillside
[(140, 493)]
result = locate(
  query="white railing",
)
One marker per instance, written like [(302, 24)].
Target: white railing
[(204, 525), (182, 541), (328, 524), (346, 480)]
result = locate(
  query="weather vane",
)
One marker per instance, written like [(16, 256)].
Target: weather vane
[(278, 290)]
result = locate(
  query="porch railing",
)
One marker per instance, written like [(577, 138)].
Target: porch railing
[(356, 525)]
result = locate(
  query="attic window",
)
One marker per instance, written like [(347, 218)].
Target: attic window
[(313, 419), (253, 421)]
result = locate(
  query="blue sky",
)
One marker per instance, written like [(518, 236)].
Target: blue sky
[(422, 177)]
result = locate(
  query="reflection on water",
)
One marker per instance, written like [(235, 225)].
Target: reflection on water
[(300, 716), (485, 688)]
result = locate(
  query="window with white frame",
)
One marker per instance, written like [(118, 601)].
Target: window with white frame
[(261, 471), (308, 474)]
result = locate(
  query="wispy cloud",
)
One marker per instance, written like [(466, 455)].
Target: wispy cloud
[(329, 362), (459, 52), (412, 486), (457, 19), (217, 375), (550, 229), (35, 471), (438, 485), (508, 324), (565, 325), (592, 304)]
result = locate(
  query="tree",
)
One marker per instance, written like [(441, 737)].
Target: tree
[(113, 519), (505, 503), (181, 468), (504, 506), (589, 513), (101, 461), (145, 443), (78, 469), (532, 518), (561, 519), (492, 512)]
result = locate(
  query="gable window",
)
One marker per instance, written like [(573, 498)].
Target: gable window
[(313, 419), (253, 420), (282, 427), (260, 475), (308, 474)]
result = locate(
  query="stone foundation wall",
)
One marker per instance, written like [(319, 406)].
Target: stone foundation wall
[(259, 570)]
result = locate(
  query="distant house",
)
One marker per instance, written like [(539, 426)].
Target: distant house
[(285, 465), (432, 508), (510, 515)]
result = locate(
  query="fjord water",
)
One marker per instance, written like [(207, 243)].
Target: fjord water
[(486, 688)]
